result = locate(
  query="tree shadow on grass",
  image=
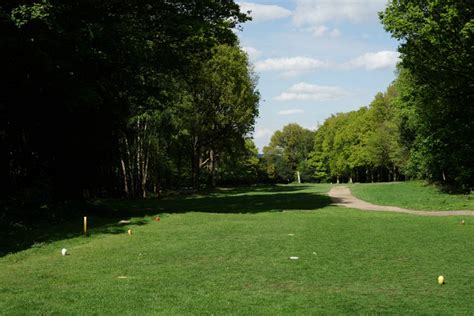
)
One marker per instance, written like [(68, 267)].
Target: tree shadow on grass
[(16, 238), (255, 203), (260, 188), (103, 218)]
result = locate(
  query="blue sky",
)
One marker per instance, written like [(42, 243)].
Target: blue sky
[(315, 58)]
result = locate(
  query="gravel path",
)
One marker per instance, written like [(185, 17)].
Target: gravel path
[(342, 196)]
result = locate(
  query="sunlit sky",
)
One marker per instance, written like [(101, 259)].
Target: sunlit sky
[(315, 58)]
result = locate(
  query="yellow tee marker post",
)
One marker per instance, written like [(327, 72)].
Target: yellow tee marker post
[(85, 225)]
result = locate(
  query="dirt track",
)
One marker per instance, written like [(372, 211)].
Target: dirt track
[(342, 196)]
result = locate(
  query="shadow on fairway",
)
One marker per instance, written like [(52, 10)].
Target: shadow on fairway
[(261, 188), (254, 203), (103, 218)]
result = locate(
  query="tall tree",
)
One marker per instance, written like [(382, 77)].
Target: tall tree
[(436, 48), (241, 166), (79, 78), (363, 145), (289, 150), (223, 108)]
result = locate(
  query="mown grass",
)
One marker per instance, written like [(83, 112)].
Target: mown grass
[(412, 195), (207, 257)]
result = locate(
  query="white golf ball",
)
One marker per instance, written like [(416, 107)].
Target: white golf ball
[(64, 251)]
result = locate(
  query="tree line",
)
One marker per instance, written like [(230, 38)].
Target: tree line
[(129, 98), (358, 146), (421, 127), (120, 98)]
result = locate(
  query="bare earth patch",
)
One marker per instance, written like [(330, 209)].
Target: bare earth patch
[(342, 196)]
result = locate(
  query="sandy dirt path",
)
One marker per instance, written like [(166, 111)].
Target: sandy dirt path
[(342, 196)]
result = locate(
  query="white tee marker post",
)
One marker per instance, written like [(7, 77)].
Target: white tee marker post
[(85, 226), (298, 176)]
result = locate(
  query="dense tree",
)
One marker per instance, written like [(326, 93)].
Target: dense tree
[(422, 126), (363, 145), (288, 152), (92, 90), (211, 113), (241, 166), (223, 108), (436, 50)]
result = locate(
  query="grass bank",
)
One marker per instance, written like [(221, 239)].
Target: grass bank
[(413, 195)]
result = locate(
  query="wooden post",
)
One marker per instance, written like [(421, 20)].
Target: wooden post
[(85, 225)]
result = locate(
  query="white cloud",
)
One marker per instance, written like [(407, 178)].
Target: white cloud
[(291, 112), (323, 30), (374, 61), (252, 52), (290, 66), (335, 33), (264, 12), (318, 12), (309, 92), (262, 133), (318, 31)]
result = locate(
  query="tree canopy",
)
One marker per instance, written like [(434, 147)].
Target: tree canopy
[(105, 97), (288, 152), (437, 53)]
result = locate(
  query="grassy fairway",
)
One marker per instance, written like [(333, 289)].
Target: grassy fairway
[(413, 195), (229, 253)]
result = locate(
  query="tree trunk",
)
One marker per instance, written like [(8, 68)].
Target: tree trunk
[(145, 154), (125, 180), (195, 163), (157, 187), (145, 176), (178, 167), (212, 167), (139, 157), (130, 167)]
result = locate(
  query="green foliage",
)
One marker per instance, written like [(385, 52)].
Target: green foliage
[(421, 126), (316, 163), (436, 46), (288, 153), (114, 81), (223, 108), (276, 166), (24, 14), (361, 145), (241, 166)]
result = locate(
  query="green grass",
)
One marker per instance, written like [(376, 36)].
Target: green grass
[(228, 253), (412, 195)]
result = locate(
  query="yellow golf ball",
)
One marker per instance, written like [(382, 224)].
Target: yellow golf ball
[(441, 279)]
